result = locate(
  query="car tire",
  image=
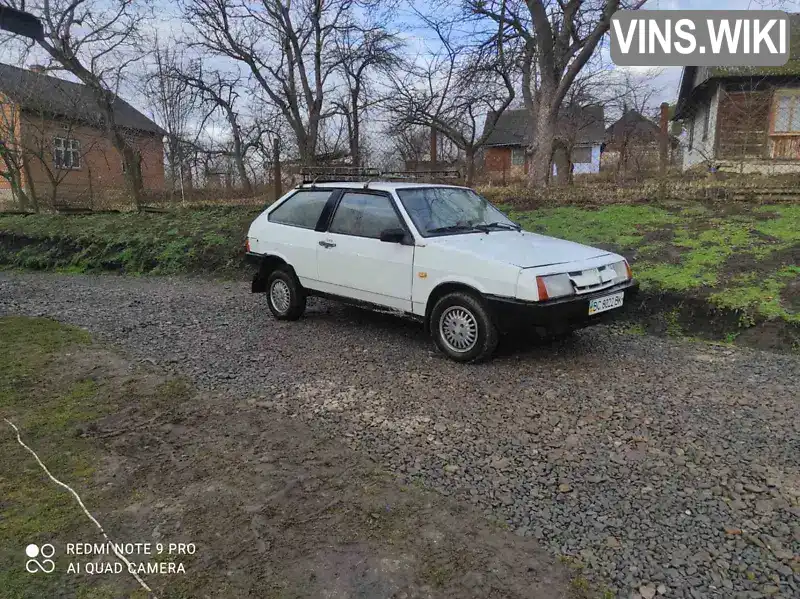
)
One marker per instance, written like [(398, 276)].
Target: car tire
[(285, 296), (463, 328)]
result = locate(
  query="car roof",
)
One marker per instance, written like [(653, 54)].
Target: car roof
[(375, 185)]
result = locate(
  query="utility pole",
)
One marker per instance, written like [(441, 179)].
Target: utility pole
[(663, 150), (434, 152), (663, 140)]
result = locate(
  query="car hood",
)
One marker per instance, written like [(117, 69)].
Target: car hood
[(519, 248)]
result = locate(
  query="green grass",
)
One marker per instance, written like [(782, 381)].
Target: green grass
[(740, 261), (49, 401), (34, 509), (755, 293), (738, 257), (51, 387), (634, 329), (620, 224), (210, 239)]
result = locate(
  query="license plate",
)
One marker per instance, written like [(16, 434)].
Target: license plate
[(608, 302)]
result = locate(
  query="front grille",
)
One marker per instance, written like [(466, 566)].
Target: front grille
[(590, 288), (592, 279)]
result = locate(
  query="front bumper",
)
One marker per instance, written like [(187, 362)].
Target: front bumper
[(558, 315)]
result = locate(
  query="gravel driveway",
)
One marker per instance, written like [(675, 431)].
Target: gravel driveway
[(667, 467)]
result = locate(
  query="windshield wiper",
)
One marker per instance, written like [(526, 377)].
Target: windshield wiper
[(498, 225), (454, 228)]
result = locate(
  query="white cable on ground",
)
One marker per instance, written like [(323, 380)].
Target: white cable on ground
[(85, 511)]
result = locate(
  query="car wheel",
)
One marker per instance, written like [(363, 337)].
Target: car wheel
[(462, 328), (285, 296)]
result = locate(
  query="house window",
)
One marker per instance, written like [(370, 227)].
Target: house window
[(517, 156), (66, 153), (787, 113), (706, 116), (582, 155)]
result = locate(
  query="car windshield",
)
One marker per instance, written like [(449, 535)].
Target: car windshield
[(449, 210)]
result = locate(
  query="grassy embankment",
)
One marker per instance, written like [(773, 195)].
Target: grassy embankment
[(740, 258), (737, 260), (47, 412)]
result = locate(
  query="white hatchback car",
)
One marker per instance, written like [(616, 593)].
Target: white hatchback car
[(438, 253)]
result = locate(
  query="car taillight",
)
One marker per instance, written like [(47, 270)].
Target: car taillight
[(628, 268), (247, 245)]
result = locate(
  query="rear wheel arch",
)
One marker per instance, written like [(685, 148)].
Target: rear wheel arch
[(268, 264)]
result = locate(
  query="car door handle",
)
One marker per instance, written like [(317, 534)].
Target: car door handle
[(327, 244)]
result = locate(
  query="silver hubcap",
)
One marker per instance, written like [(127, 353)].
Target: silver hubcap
[(280, 296), (458, 329)]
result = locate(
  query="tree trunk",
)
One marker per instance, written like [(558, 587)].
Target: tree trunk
[(133, 169), (173, 161), (561, 160), (307, 141), (18, 191), (32, 197), (469, 157), (543, 137), (238, 154)]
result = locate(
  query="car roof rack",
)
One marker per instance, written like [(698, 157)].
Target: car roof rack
[(314, 175)]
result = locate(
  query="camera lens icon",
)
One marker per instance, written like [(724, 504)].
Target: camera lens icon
[(46, 565)]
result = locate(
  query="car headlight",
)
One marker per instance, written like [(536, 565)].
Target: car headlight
[(622, 271), (553, 286)]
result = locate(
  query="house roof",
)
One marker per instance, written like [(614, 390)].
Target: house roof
[(634, 127), (515, 127), (49, 95), (632, 124), (693, 78)]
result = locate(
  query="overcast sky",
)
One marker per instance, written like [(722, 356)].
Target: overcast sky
[(417, 39)]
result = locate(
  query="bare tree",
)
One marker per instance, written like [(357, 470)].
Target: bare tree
[(96, 40), (461, 91), (410, 143), (633, 135), (559, 39), (288, 48), (13, 166), (219, 91), (358, 52), (175, 105)]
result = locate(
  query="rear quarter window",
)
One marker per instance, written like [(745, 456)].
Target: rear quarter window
[(303, 209)]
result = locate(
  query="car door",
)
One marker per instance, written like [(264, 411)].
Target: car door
[(353, 262), (294, 232)]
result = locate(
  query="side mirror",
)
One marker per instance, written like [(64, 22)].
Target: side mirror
[(393, 235)]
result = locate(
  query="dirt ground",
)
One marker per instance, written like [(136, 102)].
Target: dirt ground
[(274, 509)]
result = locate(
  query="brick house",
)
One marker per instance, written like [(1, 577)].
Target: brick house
[(56, 148), (581, 128)]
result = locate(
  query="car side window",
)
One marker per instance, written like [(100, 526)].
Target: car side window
[(364, 215), (302, 209)]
